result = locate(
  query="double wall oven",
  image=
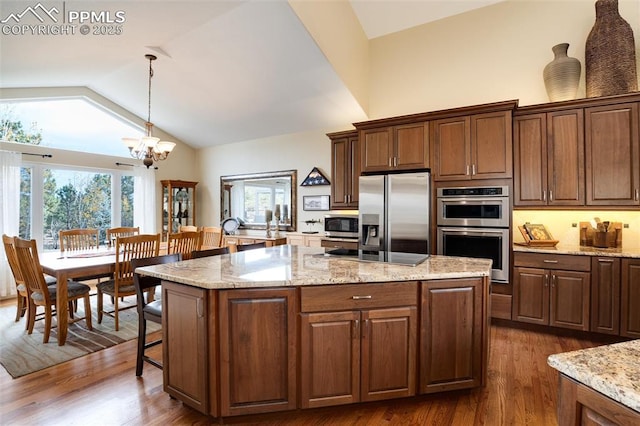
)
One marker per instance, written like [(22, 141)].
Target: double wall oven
[(474, 222)]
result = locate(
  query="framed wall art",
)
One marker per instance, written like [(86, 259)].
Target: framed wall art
[(315, 202)]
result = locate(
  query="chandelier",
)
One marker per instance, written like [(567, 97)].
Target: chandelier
[(149, 148)]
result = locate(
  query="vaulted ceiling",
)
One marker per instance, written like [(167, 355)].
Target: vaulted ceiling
[(227, 71)]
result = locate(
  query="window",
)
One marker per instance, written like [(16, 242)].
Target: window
[(63, 198)]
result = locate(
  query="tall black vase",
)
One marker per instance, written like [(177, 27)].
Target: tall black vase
[(610, 56)]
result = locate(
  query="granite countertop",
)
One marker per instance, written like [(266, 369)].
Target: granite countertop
[(613, 370), (287, 265), (575, 249)]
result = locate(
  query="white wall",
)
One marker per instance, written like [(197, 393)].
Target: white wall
[(491, 54), (300, 151)]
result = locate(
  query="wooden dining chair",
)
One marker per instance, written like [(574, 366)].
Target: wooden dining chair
[(43, 295), (78, 239), (121, 285), (245, 247), (122, 231), (188, 228), (211, 236), (184, 243), (197, 254), (151, 311), (22, 291)]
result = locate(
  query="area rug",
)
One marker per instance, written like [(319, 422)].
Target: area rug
[(21, 353)]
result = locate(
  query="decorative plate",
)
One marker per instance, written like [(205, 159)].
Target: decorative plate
[(230, 225)]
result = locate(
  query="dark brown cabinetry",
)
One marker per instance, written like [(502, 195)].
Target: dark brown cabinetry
[(353, 348), (549, 159), (630, 298), (453, 335), (552, 290), (258, 343), (469, 147), (345, 169), (186, 335), (613, 155), (403, 147), (605, 295)]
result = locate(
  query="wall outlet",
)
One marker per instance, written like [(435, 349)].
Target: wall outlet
[(626, 225), (574, 225)]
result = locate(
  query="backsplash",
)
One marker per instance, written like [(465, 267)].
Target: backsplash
[(559, 223)]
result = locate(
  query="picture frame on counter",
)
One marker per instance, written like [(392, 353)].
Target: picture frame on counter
[(315, 202)]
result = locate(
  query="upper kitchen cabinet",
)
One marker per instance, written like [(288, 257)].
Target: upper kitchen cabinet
[(402, 147), (612, 155), (345, 169), (475, 146), (549, 159)]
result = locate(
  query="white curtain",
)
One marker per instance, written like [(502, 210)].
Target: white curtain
[(10, 163), (144, 200)]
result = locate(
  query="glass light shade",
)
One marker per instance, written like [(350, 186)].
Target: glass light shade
[(131, 143), (150, 141), (164, 146)]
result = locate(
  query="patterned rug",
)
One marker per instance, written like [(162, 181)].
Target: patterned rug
[(21, 353)]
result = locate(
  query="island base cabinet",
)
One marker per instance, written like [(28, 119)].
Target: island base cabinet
[(453, 335), (258, 344), (357, 356), (185, 339), (579, 405)]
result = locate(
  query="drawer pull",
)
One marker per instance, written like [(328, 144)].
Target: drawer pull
[(550, 261), (606, 260), (361, 297)]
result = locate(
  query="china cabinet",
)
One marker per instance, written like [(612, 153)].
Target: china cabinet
[(178, 205)]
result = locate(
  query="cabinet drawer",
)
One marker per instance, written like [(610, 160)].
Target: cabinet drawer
[(552, 261), (350, 245), (358, 296)]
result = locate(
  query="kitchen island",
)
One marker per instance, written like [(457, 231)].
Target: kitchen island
[(287, 328), (599, 385)]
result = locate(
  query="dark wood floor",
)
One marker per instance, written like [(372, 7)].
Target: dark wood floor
[(102, 389)]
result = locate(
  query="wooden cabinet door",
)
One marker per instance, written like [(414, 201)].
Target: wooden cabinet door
[(411, 146), (530, 295), (605, 295), (451, 335), (388, 353), (329, 358), (491, 145), (185, 335), (565, 142), (530, 160), (630, 298), (295, 240), (451, 154), (569, 300), (613, 155), (257, 351), (345, 171), (376, 149)]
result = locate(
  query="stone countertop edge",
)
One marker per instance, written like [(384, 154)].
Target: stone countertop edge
[(574, 249), (294, 266), (613, 370)]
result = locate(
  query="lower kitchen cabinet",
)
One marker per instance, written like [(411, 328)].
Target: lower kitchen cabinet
[(453, 336), (305, 240), (630, 298), (605, 295), (186, 335), (258, 342), (364, 353), (552, 290)]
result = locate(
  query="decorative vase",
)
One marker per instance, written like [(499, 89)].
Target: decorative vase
[(610, 56), (562, 75)]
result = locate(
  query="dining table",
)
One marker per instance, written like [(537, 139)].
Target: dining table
[(70, 265)]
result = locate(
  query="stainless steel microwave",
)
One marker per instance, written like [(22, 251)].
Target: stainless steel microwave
[(341, 225)]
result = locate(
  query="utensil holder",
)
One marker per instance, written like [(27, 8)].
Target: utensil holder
[(600, 239)]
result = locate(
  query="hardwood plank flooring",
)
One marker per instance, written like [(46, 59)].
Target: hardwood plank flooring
[(101, 389)]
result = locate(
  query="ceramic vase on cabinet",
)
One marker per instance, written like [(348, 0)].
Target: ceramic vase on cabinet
[(562, 75), (610, 57)]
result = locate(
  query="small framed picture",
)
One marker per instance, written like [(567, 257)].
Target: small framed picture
[(315, 202), (537, 232)]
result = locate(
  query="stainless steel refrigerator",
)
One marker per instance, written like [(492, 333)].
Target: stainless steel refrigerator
[(394, 212)]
